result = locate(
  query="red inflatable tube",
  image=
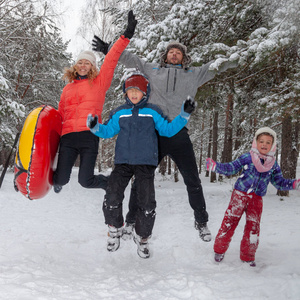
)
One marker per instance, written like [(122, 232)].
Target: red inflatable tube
[(37, 148)]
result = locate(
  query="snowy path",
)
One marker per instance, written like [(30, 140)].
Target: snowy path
[(55, 248)]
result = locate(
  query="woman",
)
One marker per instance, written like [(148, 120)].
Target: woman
[(83, 95)]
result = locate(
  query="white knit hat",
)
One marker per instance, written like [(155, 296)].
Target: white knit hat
[(269, 131), (88, 55)]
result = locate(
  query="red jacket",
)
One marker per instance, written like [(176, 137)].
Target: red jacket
[(82, 97)]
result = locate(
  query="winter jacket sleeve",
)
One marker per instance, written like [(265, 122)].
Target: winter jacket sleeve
[(279, 181), (109, 129), (130, 60), (233, 167), (110, 62), (208, 71), (166, 128)]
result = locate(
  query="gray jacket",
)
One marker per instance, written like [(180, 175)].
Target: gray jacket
[(170, 85)]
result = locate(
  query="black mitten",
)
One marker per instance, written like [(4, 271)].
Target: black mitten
[(91, 121), (99, 45), (129, 31), (189, 105)]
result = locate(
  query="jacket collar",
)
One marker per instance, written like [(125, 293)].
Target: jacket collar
[(142, 103), (174, 66)]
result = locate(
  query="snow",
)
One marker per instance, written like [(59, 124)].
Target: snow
[(55, 248)]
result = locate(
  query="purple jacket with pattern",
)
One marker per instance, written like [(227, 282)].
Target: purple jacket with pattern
[(251, 180)]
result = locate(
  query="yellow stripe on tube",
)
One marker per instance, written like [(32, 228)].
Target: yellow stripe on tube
[(27, 136)]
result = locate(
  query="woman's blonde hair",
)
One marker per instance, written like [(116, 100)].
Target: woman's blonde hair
[(70, 74)]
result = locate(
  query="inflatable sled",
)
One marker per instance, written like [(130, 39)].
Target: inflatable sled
[(36, 152)]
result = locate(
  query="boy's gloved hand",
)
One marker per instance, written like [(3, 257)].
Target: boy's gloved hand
[(187, 107), (296, 184), (91, 121), (210, 164), (99, 45), (129, 31)]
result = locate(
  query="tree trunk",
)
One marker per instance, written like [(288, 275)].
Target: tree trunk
[(169, 165), (227, 149), (176, 173), (163, 166), (239, 134), (286, 162), (201, 146), (209, 143), (295, 149), (213, 175)]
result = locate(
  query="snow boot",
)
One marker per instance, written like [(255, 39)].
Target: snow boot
[(113, 241), (57, 188), (219, 257), (204, 232), (128, 231), (143, 246), (251, 263)]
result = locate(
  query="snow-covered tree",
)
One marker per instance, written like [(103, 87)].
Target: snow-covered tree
[(31, 61), (262, 35)]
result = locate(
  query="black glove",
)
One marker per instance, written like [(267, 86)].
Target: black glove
[(189, 105), (99, 45), (129, 31), (91, 121)]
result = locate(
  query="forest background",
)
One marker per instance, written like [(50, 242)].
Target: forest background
[(264, 90)]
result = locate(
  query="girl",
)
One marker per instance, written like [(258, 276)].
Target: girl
[(258, 167)]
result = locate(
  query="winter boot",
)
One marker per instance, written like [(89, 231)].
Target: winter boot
[(251, 263), (113, 241), (57, 188), (204, 232), (127, 231), (143, 246), (219, 257)]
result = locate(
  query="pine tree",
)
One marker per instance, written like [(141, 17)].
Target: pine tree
[(32, 59), (262, 35)]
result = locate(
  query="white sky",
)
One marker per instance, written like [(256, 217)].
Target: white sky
[(70, 23)]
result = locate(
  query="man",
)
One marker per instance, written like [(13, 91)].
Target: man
[(172, 81)]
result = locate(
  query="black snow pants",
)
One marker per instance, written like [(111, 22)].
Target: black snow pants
[(180, 148), (85, 144), (145, 200)]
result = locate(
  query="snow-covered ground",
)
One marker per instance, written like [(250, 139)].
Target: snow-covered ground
[(55, 248)]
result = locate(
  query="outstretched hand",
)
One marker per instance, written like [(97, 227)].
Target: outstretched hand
[(189, 105), (129, 31), (91, 121), (296, 184), (210, 164), (99, 45)]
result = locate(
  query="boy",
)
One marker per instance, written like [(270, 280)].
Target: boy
[(136, 154)]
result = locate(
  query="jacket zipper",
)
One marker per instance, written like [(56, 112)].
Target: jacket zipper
[(175, 77), (168, 80), (257, 183)]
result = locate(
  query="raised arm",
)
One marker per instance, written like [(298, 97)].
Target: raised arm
[(111, 59)]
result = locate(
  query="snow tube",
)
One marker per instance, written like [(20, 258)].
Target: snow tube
[(36, 152)]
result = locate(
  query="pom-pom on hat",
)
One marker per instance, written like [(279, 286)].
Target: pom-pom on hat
[(136, 81), (88, 55)]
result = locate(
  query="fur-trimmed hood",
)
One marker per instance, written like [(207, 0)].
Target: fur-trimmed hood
[(186, 58)]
